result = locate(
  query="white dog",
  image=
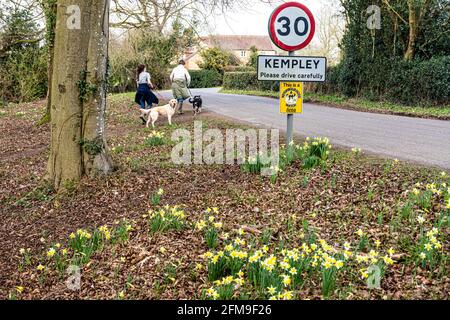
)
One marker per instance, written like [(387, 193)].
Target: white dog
[(154, 113)]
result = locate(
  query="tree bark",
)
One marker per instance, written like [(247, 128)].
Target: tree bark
[(78, 94), (410, 51), (50, 12), (417, 10)]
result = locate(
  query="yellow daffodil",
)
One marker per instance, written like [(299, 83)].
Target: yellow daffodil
[(287, 295), (51, 252), (22, 251), (198, 267), (215, 259), (212, 293), (20, 289), (391, 251), (40, 267), (121, 295), (271, 290), (200, 225), (286, 280), (388, 260), (360, 232), (428, 246), (420, 219), (162, 250), (364, 274), (422, 255)]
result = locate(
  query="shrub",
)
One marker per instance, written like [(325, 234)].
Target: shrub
[(248, 81), (206, 79), (216, 59)]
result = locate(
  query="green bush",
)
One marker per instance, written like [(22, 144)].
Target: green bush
[(23, 61), (240, 69), (248, 81), (424, 82), (206, 78), (409, 82)]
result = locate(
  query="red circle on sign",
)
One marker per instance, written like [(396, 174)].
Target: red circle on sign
[(273, 34)]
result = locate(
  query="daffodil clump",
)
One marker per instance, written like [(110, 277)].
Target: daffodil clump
[(315, 152), (278, 273), (210, 227), (226, 288), (428, 208), (432, 196), (84, 243), (155, 138), (429, 251), (156, 197), (166, 218), (81, 245), (25, 258), (256, 164)]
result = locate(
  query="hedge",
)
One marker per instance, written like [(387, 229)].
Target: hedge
[(205, 79), (409, 82), (248, 81), (415, 82)]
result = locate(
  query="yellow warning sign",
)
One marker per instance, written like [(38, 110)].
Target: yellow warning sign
[(291, 97)]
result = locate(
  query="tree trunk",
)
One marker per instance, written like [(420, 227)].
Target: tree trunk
[(78, 93), (413, 28), (50, 13)]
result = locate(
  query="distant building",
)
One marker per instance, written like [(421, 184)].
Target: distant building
[(238, 45)]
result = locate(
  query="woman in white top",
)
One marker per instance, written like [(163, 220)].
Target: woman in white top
[(181, 79), (144, 94)]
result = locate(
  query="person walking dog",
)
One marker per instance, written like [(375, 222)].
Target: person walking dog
[(181, 79), (144, 94)]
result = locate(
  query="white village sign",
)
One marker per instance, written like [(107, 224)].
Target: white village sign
[(292, 68)]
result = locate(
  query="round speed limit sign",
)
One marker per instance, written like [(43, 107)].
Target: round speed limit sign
[(292, 26)]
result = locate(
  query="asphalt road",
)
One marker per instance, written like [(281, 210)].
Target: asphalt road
[(423, 141)]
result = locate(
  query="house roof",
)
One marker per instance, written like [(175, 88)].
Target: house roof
[(228, 42)]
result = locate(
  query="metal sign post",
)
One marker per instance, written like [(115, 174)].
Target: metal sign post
[(291, 27), (290, 123)]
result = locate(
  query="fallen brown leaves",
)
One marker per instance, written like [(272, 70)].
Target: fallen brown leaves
[(335, 203)]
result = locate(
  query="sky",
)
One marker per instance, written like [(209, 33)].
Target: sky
[(252, 21)]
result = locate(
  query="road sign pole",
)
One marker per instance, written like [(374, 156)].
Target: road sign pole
[(290, 123)]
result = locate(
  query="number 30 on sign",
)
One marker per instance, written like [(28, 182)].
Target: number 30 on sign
[(291, 97)]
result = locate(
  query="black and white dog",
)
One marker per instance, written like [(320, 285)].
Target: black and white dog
[(197, 104)]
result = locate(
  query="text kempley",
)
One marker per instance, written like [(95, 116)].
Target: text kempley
[(300, 63)]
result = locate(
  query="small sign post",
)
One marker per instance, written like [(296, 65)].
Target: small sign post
[(291, 97), (291, 28)]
